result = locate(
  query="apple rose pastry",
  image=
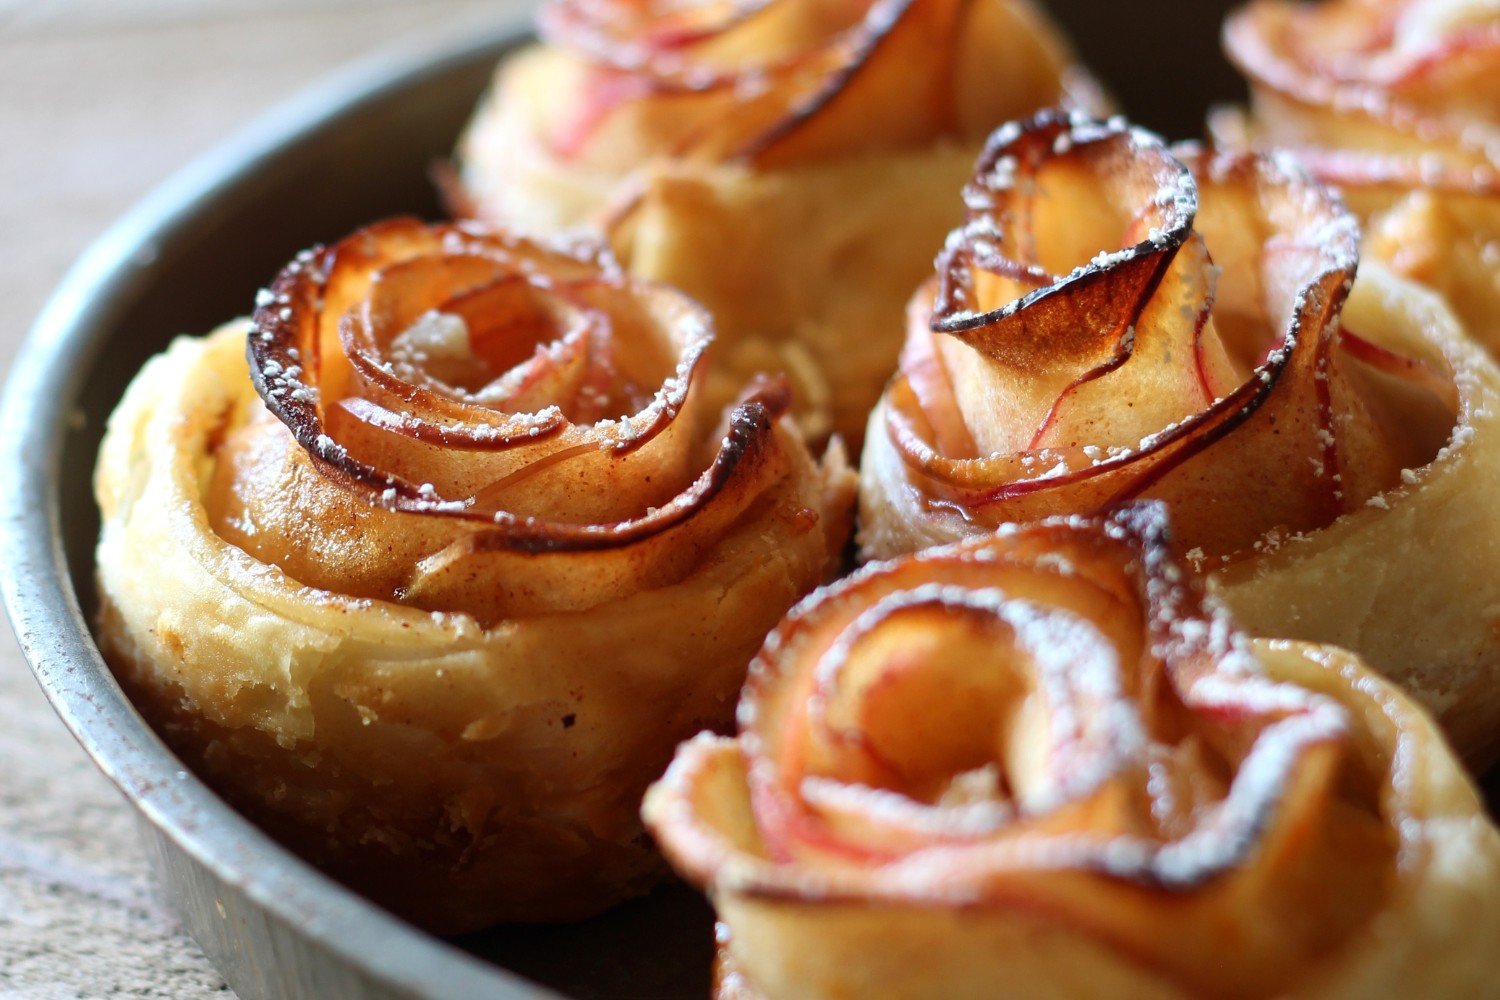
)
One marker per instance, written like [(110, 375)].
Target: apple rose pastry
[(1115, 321), (1041, 764), (1398, 103), (436, 590), (788, 163)]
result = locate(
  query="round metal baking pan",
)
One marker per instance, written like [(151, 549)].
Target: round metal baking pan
[(186, 257), (357, 148)]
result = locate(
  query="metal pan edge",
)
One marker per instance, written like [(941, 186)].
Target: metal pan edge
[(273, 925)]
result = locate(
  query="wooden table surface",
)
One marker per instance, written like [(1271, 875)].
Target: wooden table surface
[(99, 101)]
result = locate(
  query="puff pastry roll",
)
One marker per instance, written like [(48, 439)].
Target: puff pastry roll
[(788, 163), (1116, 320), (434, 589), (1042, 764), (1398, 103)]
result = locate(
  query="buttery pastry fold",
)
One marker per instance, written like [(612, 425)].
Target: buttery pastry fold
[(1042, 764), (788, 163), (1117, 320), (435, 587), (1397, 102)]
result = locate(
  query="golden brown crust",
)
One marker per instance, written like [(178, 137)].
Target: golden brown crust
[(788, 162), (1122, 797), (442, 662)]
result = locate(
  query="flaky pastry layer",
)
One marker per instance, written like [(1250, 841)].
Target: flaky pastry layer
[(460, 774)]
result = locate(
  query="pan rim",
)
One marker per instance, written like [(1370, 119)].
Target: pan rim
[(38, 402)]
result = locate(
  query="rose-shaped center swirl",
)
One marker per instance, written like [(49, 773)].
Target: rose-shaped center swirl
[(1117, 319), (1427, 52), (1362, 87), (447, 367), (692, 46), (456, 397), (783, 81), (1053, 719)]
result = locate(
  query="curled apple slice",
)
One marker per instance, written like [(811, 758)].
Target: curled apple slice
[(1042, 763), (1117, 319)]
